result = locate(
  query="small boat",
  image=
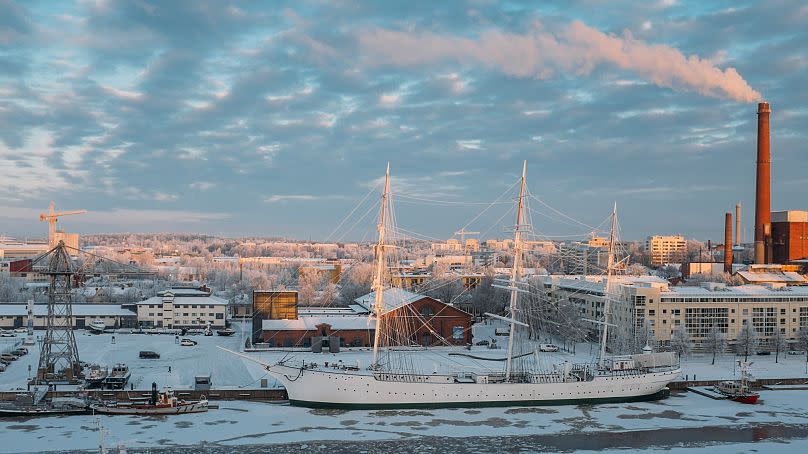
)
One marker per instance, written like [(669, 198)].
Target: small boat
[(163, 403), (739, 390), (34, 404), (97, 326), (95, 378), (226, 332), (118, 377)]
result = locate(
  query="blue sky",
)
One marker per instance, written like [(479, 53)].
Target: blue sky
[(276, 118)]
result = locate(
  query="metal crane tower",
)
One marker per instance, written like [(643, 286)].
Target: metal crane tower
[(52, 216), (59, 358)]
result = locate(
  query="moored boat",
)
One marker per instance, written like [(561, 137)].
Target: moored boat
[(97, 326), (162, 403), (739, 390), (118, 377), (34, 403)]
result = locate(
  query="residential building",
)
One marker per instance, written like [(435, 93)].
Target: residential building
[(666, 249), (183, 308), (585, 258)]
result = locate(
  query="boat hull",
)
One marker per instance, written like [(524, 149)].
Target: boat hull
[(197, 407), (342, 389), (8, 413), (750, 399)]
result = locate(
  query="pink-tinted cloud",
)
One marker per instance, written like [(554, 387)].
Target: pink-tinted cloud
[(576, 49)]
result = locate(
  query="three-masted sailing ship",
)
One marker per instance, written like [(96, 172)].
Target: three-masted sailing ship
[(524, 380)]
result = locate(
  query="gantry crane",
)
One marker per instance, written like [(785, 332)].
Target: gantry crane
[(52, 216)]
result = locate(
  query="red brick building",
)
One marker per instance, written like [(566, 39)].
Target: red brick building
[(789, 236), (408, 318)]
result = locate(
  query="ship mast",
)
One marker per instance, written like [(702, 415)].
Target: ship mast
[(378, 279), (516, 272), (606, 292)]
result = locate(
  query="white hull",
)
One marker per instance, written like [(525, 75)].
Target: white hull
[(361, 389)]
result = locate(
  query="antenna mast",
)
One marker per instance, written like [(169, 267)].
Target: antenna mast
[(378, 280), (607, 289), (516, 272)]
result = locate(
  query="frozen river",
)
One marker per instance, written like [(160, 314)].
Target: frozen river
[(685, 422)]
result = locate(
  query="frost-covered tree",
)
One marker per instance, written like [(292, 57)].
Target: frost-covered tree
[(715, 342), (680, 341), (778, 342), (747, 341), (802, 342)]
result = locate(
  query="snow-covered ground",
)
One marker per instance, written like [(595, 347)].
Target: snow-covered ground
[(683, 420), (229, 371)]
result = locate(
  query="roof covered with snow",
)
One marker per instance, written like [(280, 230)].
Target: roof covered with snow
[(392, 299), (311, 323), (214, 300), (787, 277), (79, 310)]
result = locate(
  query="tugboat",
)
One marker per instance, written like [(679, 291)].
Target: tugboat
[(95, 378), (226, 332), (739, 390), (118, 377), (34, 404), (163, 403)]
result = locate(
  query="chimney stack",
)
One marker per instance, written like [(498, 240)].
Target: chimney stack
[(763, 188), (728, 243), (738, 224)]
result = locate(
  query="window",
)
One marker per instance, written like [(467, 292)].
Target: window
[(219, 316), (782, 311), (746, 312), (700, 320), (457, 332), (764, 320)]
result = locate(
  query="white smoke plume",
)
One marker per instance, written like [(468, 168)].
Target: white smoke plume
[(577, 48)]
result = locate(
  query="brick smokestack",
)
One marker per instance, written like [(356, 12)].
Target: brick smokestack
[(763, 188), (728, 243)]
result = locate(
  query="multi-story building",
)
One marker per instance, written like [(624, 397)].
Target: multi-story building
[(451, 245), (650, 301), (182, 308), (71, 240), (789, 236), (590, 257), (272, 305), (666, 249), (10, 249)]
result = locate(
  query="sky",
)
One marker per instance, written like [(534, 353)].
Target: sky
[(278, 118)]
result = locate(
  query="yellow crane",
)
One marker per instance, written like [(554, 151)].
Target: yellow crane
[(52, 216)]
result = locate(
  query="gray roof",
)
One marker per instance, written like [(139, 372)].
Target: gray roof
[(79, 310), (215, 300)]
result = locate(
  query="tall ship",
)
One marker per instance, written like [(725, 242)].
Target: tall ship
[(395, 378)]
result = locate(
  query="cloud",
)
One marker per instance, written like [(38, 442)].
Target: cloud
[(575, 49), (300, 198), (202, 185)]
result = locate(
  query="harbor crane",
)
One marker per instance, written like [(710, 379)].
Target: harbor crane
[(52, 216)]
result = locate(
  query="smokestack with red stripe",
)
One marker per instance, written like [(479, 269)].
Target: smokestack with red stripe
[(728, 243), (763, 191)]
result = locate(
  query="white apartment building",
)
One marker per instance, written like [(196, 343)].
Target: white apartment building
[(182, 308), (666, 249), (650, 299)]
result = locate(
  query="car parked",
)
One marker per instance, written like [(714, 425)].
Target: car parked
[(7, 334), (796, 352), (188, 342), (148, 354), (548, 347), (21, 351), (484, 343), (8, 357), (764, 353), (2, 367)]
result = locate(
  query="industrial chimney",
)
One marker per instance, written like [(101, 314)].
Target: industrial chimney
[(738, 224), (728, 243), (763, 189)]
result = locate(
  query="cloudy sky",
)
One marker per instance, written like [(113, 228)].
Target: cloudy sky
[(273, 118)]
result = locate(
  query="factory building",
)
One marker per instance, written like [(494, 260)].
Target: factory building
[(11, 250), (789, 236), (15, 315), (421, 319)]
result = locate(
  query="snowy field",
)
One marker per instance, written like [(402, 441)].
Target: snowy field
[(684, 421), (229, 371)]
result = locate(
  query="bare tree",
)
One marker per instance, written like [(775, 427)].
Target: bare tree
[(680, 341), (747, 341), (802, 342), (778, 342), (716, 341)]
